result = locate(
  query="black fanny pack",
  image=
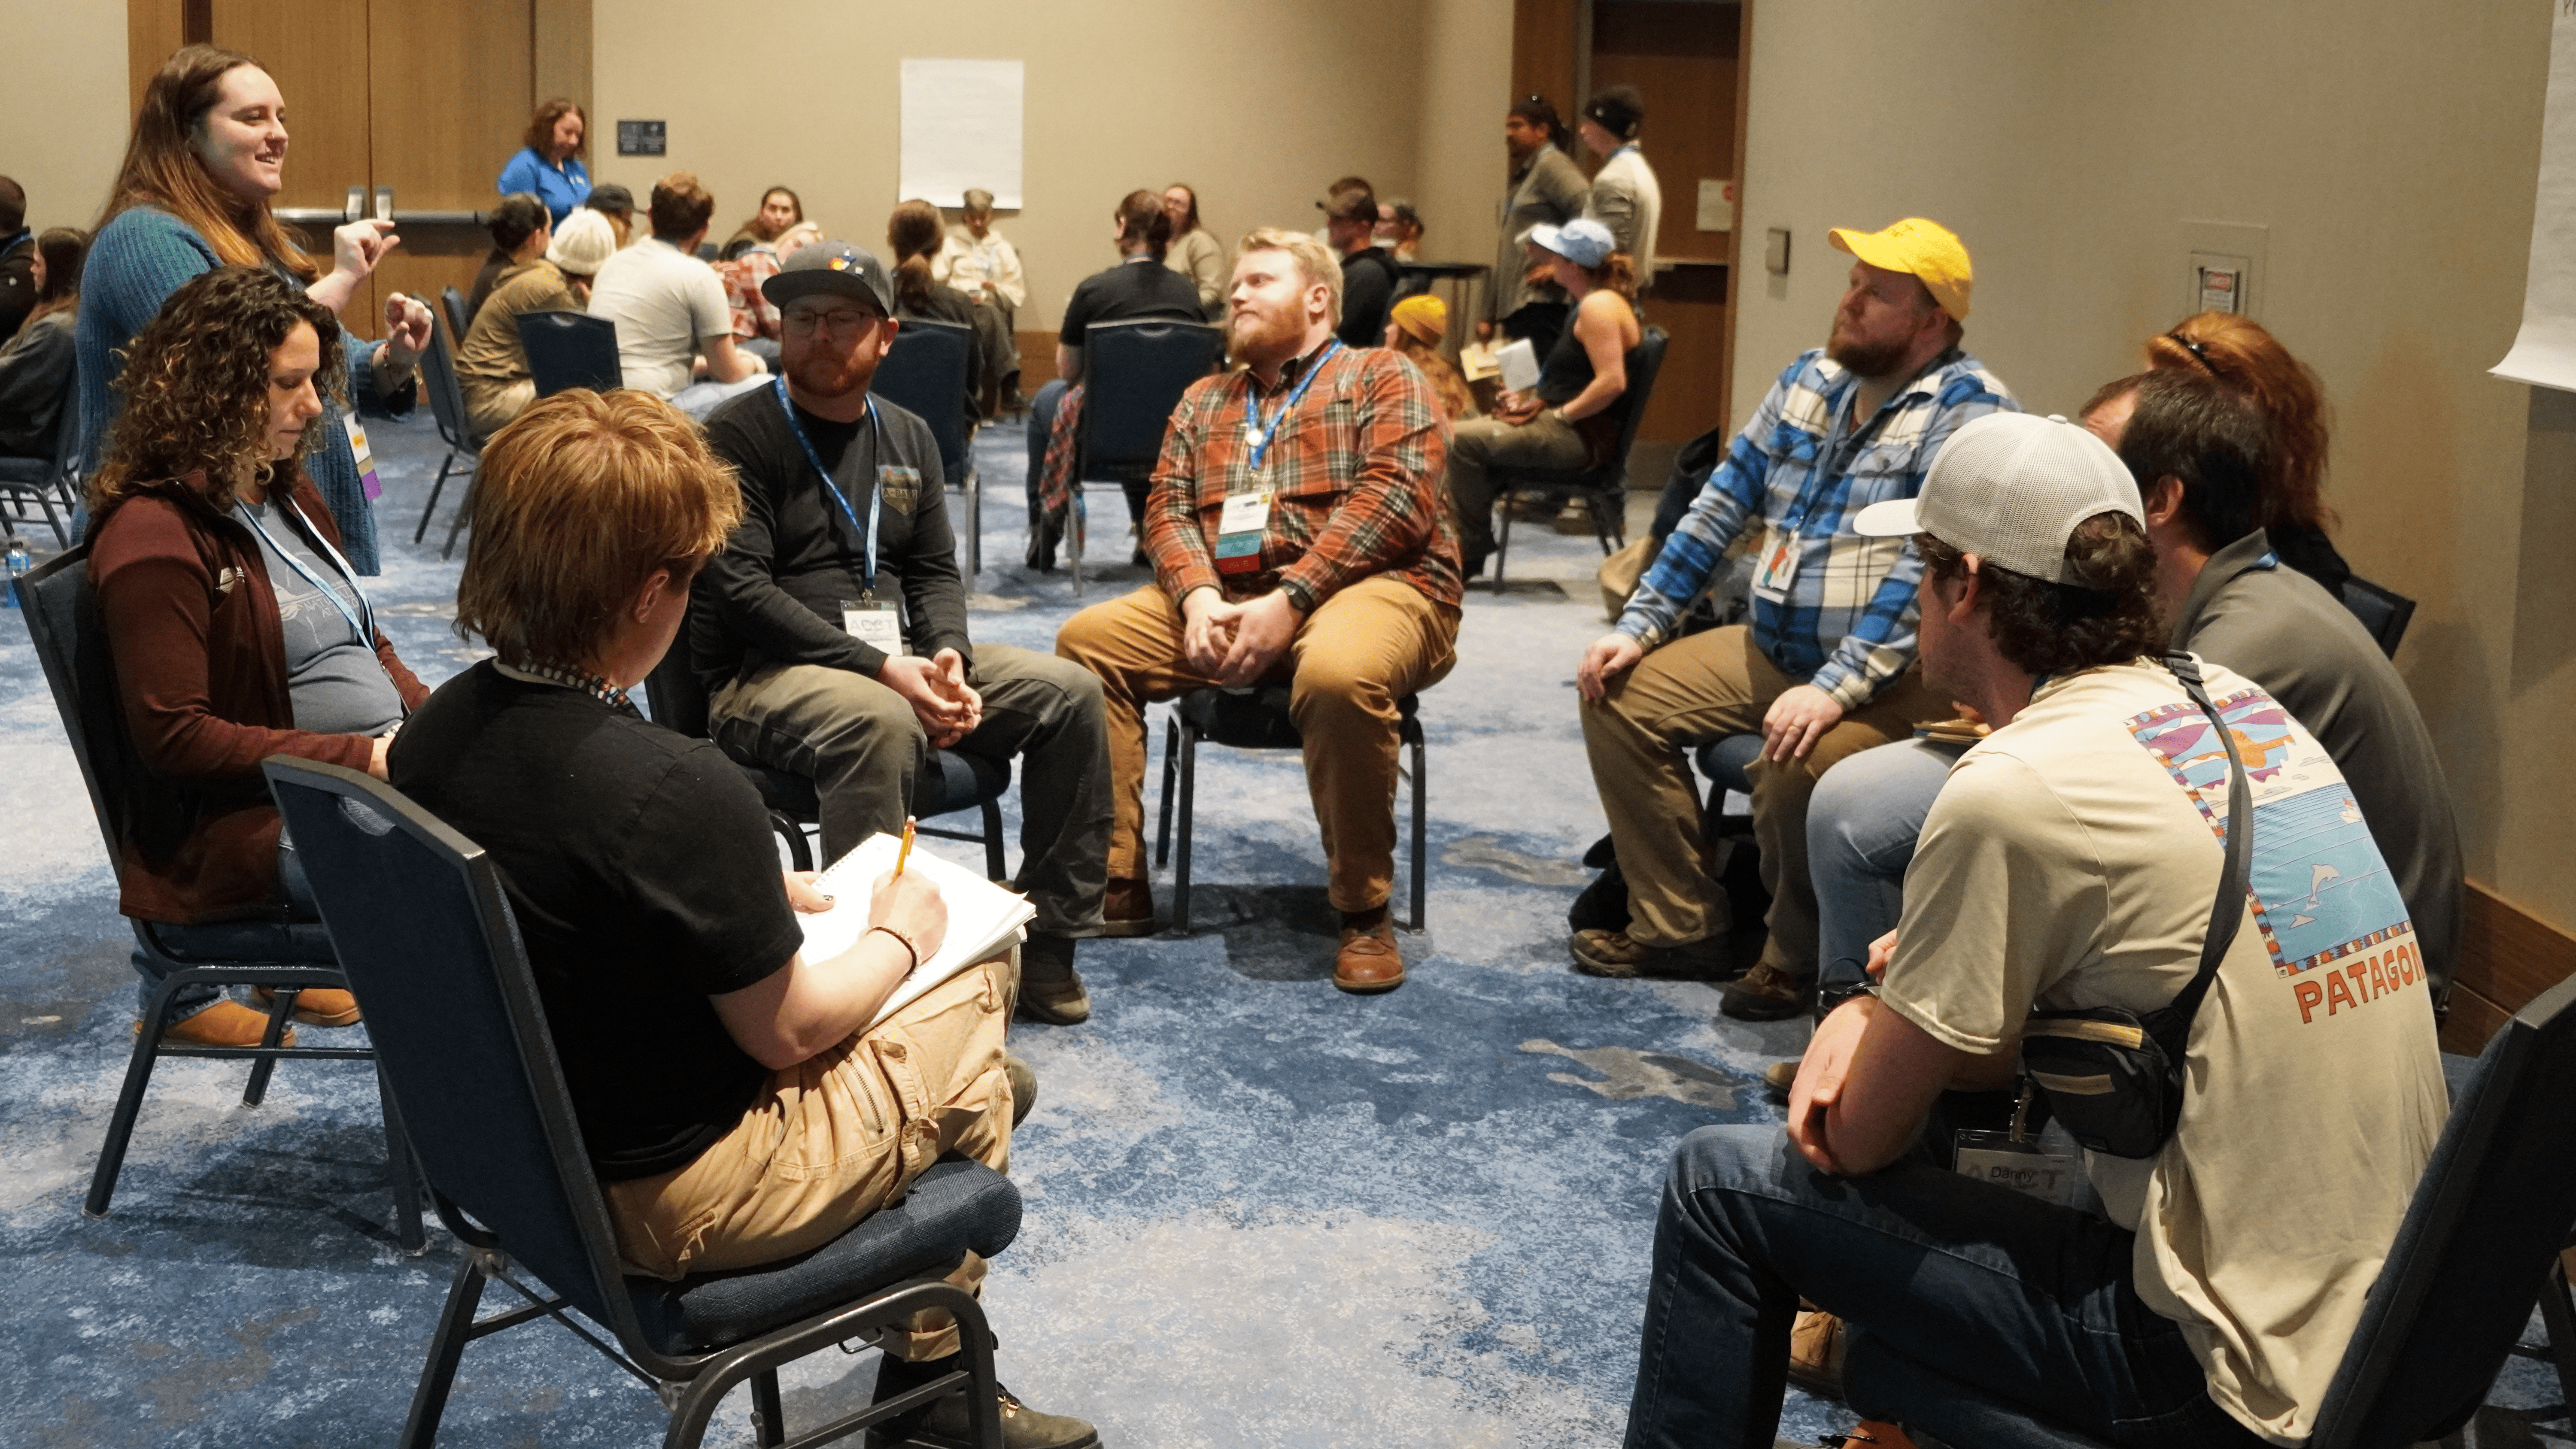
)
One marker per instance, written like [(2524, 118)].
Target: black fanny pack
[(2115, 1077)]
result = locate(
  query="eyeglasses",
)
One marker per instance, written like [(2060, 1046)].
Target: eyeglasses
[(840, 322)]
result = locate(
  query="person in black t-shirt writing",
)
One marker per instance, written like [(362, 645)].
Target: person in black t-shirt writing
[(1138, 288), (737, 1105), (1368, 273), (831, 631)]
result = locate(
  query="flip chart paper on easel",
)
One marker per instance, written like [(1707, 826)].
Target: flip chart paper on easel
[(960, 129)]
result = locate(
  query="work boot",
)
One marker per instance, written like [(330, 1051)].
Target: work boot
[(1050, 991), (1368, 962), (224, 1024), (317, 1005), (942, 1422), (1767, 993), (1128, 909), (1012, 402), (1816, 1354), (1617, 954), (1024, 1086)]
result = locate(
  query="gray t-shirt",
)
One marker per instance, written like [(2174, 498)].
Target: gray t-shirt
[(333, 678)]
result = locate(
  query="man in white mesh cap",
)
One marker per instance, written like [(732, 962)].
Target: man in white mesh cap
[(2070, 863)]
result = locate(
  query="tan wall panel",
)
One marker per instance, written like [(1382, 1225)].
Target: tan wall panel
[(63, 111), (2390, 148)]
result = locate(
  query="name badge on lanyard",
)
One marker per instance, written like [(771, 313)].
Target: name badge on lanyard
[(873, 622), (1239, 531), (366, 457), (1779, 565)]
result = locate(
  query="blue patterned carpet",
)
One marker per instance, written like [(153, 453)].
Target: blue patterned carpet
[(1260, 1212)]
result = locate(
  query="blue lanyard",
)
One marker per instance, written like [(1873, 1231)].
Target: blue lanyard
[(365, 631), (876, 496), (1252, 429)]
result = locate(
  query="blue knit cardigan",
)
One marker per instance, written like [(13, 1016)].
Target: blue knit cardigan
[(135, 263)]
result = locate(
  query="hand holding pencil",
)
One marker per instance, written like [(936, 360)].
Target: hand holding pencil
[(910, 903)]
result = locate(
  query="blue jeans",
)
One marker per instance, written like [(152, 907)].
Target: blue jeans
[(2030, 1302), (700, 398), (1862, 823), (187, 1001)]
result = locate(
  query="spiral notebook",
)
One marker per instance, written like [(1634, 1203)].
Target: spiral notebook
[(984, 920)]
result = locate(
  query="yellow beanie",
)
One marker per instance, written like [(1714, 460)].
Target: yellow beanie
[(1423, 315)]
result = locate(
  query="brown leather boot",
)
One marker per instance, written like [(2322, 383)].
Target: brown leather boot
[(1129, 909), (1368, 961), (317, 1005), (224, 1024)]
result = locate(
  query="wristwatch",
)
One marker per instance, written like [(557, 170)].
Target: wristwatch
[(1827, 1001)]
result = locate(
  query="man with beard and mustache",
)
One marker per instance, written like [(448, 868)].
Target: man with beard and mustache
[(1298, 537), (831, 631), (1826, 667)]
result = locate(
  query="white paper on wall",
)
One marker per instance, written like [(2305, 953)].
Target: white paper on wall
[(960, 129), (2544, 352)]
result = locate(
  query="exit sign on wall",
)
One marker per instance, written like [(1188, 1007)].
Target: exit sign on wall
[(640, 138)]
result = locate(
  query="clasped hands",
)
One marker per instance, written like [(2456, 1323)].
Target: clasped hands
[(947, 706), (1236, 644), (1790, 728)]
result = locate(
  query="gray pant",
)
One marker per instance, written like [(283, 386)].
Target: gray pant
[(863, 748), (1485, 443)]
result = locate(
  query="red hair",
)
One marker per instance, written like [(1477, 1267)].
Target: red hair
[(2240, 353)]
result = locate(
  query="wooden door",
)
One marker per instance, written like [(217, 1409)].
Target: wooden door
[(1686, 59), (316, 51), (449, 100)]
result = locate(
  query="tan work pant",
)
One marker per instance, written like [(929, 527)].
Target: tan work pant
[(490, 408), (1690, 691), (836, 1137), (1362, 649)]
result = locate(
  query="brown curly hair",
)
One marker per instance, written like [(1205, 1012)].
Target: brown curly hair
[(195, 382), (2047, 627)]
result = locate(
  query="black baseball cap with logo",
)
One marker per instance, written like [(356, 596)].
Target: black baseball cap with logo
[(833, 268)]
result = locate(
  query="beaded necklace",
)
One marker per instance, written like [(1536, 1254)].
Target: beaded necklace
[(594, 685)]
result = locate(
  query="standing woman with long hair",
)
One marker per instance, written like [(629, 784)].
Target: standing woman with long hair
[(208, 152), (549, 166), (1193, 253), (233, 618)]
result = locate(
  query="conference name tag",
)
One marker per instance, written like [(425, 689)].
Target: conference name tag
[(873, 623), (366, 456), (1779, 565), (1239, 531), (2020, 1165)]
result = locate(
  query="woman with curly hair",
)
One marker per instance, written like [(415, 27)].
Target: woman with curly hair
[(207, 155), (235, 621)]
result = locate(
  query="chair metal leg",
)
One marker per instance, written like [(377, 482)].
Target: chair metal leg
[(1421, 837), (129, 1101), (2558, 1314), (280, 1007), (400, 1174), (799, 852), (420, 530), (446, 1348), (1171, 762), (1075, 519), (768, 1416), (1181, 870), (974, 521), (1503, 540), (456, 525), (995, 866)]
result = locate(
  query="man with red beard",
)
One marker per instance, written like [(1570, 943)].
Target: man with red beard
[(1298, 536), (1826, 668), (831, 631)]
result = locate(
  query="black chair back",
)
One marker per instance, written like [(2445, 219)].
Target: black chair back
[(571, 349), (446, 393), (45, 480), (2490, 1212), (427, 940), (1135, 373), (71, 645), (925, 375), (459, 315), (2383, 612), (1645, 362)]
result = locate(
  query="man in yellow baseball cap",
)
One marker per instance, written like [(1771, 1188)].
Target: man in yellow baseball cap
[(1826, 667)]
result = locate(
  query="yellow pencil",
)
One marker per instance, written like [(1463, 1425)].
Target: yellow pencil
[(904, 854)]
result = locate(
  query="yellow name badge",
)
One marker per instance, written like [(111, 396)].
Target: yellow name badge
[(366, 456)]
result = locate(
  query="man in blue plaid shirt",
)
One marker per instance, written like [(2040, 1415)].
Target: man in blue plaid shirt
[(1826, 668)]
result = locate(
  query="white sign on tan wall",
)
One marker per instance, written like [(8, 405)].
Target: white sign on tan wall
[(961, 129)]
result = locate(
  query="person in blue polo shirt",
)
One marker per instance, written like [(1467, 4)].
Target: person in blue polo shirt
[(1826, 668)]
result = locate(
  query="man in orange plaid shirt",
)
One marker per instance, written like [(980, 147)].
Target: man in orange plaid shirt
[(1298, 535)]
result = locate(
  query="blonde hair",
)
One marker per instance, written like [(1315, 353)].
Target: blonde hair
[(1314, 261), (575, 504)]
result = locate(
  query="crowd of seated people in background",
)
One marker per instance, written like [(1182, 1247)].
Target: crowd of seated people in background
[(1920, 551)]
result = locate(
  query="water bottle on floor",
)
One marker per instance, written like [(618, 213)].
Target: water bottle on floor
[(19, 564)]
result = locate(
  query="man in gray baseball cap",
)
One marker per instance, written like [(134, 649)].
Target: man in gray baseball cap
[(2069, 863), (831, 632)]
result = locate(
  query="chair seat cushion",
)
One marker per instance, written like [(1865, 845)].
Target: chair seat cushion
[(954, 1206), (1723, 761), (26, 470), (224, 943), (1257, 719)]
